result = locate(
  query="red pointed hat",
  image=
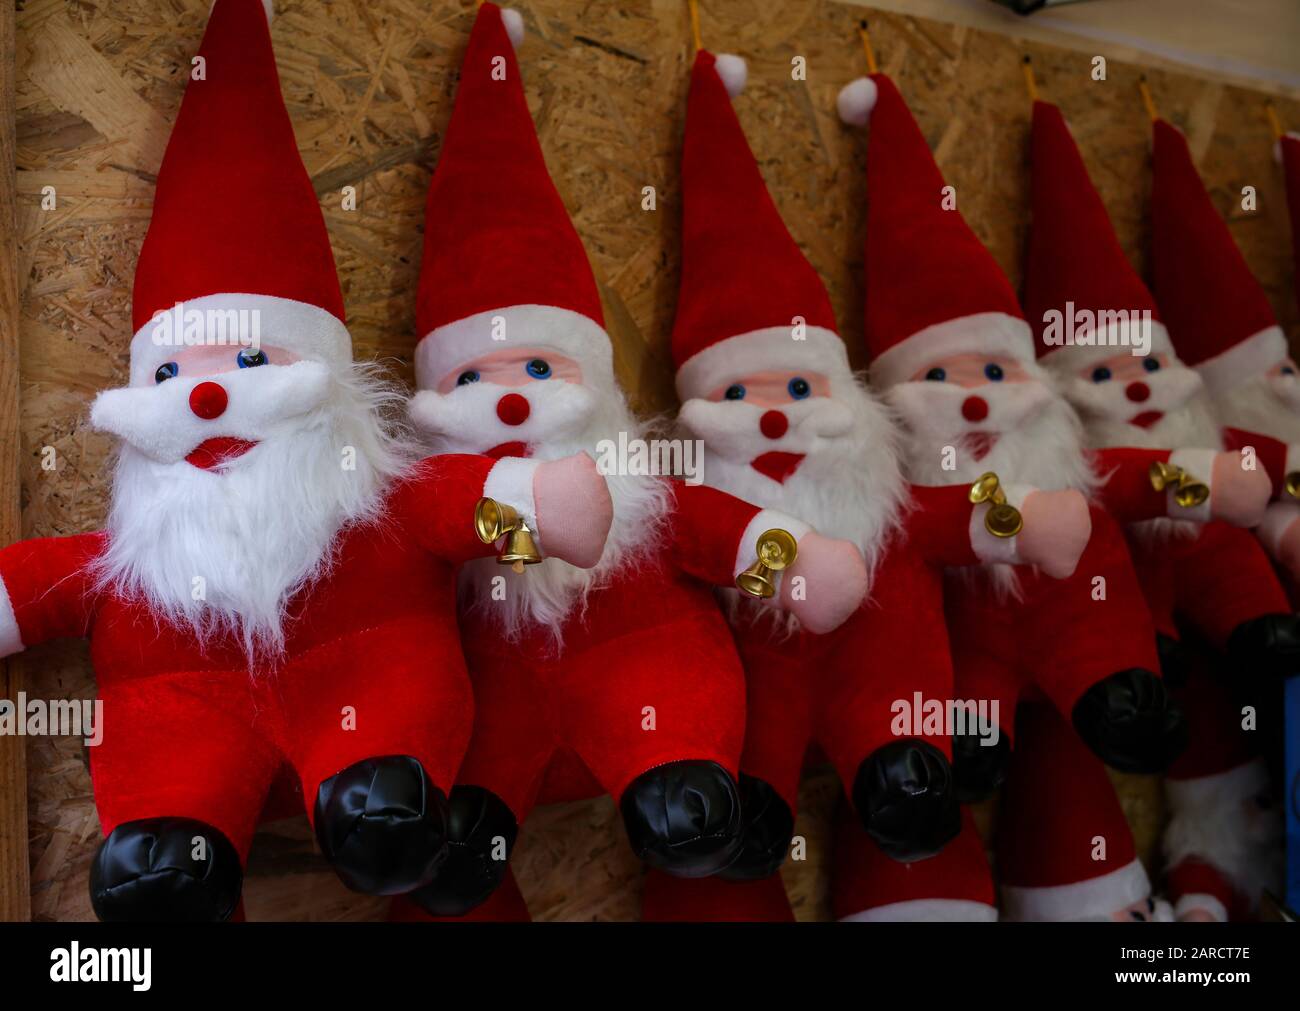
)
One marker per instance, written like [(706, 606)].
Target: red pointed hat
[(1289, 153), (744, 281), (498, 243), (1216, 312), (1074, 256), (236, 225), (932, 289), (1057, 805)]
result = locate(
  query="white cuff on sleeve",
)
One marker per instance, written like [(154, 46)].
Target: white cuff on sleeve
[(1197, 900), (765, 520), (11, 640), (1199, 463), (997, 550), (510, 482)]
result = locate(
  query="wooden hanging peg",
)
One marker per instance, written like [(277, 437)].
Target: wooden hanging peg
[(1146, 98), (870, 53), (1027, 65), (694, 8)]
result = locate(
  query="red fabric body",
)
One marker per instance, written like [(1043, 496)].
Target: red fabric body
[(193, 732), (496, 231), (669, 899), (741, 270), (1208, 297), (1291, 170), (1214, 581), (1219, 743), (863, 877), (234, 210), (924, 265), (1127, 493), (1056, 638), (1068, 216), (1270, 454)]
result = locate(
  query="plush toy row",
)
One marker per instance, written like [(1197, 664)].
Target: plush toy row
[(296, 589)]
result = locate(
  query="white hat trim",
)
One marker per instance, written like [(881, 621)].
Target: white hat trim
[(926, 911), (1243, 780), (1114, 340), (447, 348), (988, 332), (772, 348), (262, 320), (1079, 900), (1244, 360)]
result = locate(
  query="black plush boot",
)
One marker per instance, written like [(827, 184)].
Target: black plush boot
[(1268, 645), (147, 871), (684, 818), (768, 824), (906, 799), (481, 833), (382, 824), (1130, 723), (978, 769)]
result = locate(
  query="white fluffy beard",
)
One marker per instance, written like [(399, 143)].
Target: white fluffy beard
[(1269, 405), (849, 485), (263, 527), (1039, 443), (564, 419), (1231, 833)]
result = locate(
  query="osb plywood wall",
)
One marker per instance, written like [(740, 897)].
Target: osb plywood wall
[(369, 85)]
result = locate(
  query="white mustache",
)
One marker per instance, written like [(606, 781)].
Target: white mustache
[(933, 409), (158, 422), (731, 428), (1171, 388), (468, 414)]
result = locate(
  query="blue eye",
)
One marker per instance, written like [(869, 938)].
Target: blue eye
[(1287, 370), (167, 370), (1100, 374), (735, 392), (799, 388), (539, 369), (1151, 365), (467, 377), (993, 371), (250, 358), (936, 375)]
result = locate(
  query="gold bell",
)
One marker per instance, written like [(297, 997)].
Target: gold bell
[(494, 520), (1292, 484), (777, 550), (1002, 519), (1188, 491)]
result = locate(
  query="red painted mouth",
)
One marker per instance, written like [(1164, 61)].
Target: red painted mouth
[(213, 453), (777, 466), (980, 444), (1146, 419), (507, 449)]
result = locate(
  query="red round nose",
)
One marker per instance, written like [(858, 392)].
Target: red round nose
[(208, 400), (974, 409), (1137, 392), (513, 409), (773, 424)]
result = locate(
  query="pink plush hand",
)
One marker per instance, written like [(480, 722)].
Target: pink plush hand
[(1057, 528), (1238, 496), (826, 583), (574, 510)]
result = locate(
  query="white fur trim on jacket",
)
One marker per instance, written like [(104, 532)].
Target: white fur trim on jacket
[(11, 639), (1243, 780), (1278, 518), (772, 348), (307, 330), (510, 482), (990, 549), (1244, 360), (926, 911), (1199, 900), (986, 332), (1069, 358), (1079, 900), (447, 348), (764, 520), (1199, 463)]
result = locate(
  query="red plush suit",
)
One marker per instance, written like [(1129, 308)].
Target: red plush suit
[(191, 731)]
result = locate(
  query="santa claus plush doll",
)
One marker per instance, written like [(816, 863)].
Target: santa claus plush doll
[(955, 358), (625, 675), (1132, 390), (1066, 855), (766, 385), (1223, 844), (274, 586)]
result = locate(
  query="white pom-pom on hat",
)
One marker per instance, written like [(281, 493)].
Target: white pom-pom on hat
[(733, 71), (514, 24), (856, 100), (269, 7)]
